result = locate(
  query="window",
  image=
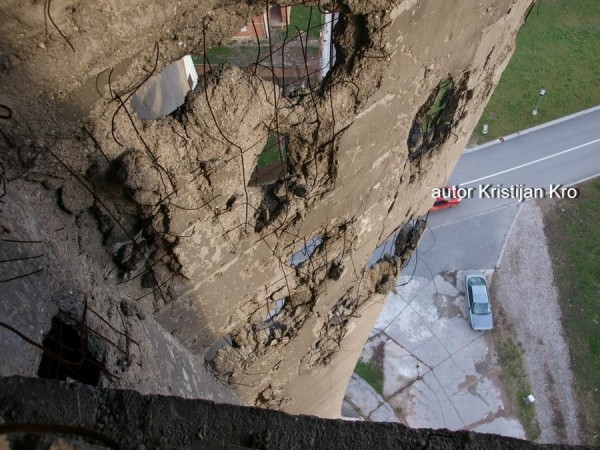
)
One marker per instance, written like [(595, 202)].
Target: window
[(481, 308)]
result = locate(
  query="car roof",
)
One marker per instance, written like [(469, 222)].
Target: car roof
[(479, 293)]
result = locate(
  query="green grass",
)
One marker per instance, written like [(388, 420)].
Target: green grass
[(557, 49), (216, 55), (516, 383), (300, 16), (271, 153), (573, 231), (371, 373), (431, 117)]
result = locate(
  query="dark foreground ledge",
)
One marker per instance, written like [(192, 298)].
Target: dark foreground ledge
[(127, 419)]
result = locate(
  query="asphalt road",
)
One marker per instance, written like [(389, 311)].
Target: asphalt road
[(471, 235)]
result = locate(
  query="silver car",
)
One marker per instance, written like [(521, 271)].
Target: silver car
[(478, 302)]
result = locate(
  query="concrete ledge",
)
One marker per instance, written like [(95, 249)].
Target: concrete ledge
[(127, 419), (531, 130)]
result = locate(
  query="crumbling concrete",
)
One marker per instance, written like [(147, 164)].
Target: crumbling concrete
[(161, 213)]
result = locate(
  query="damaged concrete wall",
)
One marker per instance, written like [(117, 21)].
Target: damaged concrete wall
[(162, 214)]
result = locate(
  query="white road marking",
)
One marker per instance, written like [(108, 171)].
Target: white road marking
[(529, 163)]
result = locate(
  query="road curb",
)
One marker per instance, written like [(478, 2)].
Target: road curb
[(500, 140), (582, 180), (507, 237)]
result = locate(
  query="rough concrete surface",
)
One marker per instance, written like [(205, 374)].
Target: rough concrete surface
[(128, 420), (157, 219), (525, 288)]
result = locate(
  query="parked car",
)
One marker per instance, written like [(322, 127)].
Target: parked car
[(449, 199), (478, 302)]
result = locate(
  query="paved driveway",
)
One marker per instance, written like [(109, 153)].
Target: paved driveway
[(437, 371)]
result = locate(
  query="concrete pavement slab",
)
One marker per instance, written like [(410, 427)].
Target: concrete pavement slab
[(362, 396), (425, 405), (488, 389), (431, 352), (409, 330), (503, 426), (349, 411), (455, 333), (472, 359), (478, 402), (446, 285), (452, 378), (409, 286), (426, 290), (425, 306), (400, 368), (374, 341), (394, 305), (384, 413)]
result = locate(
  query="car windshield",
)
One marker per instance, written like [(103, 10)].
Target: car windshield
[(477, 281), (481, 308)]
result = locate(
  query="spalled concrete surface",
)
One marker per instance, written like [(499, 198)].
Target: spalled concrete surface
[(181, 372), (128, 420), (22, 256), (437, 371)]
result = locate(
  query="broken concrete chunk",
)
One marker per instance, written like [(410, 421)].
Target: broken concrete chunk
[(136, 170), (73, 197)]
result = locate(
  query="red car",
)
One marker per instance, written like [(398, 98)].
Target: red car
[(449, 199)]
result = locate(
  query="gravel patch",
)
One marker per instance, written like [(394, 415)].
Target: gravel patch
[(524, 286)]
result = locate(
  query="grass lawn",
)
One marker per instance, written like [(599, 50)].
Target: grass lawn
[(516, 382), (302, 16), (271, 153), (557, 50), (432, 117), (573, 232), (371, 373)]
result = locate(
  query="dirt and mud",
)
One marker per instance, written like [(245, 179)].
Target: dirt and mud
[(157, 219)]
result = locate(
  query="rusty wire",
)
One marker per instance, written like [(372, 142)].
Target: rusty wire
[(47, 4)]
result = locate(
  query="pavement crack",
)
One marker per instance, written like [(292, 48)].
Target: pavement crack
[(449, 401)]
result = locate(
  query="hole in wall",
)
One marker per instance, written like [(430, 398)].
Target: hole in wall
[(290, 45), (76, 361), (305, 252), (434, 120), (406, 237), (270, 328), (163, 93), (275, 309), (271, 164), (386, 248), (211, 353)]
